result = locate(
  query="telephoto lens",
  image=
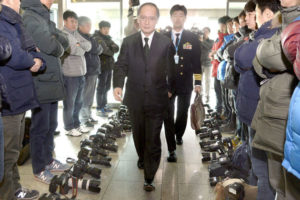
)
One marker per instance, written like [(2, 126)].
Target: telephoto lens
[(85, 184)]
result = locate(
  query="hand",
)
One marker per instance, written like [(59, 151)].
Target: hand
[(118, 93), (37, 65), (169, 94), (198, 89)]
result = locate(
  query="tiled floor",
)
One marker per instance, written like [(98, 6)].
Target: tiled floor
[(185, 180)]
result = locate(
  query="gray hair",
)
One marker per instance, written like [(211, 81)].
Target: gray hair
[(83, 20)]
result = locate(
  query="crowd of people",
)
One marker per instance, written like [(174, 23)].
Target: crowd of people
[(254, 62), (40, 66), (255, 70)]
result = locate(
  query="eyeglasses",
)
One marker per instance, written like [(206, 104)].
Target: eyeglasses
[(144, 18)]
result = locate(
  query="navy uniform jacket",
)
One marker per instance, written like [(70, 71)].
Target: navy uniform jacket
[(189, 67)]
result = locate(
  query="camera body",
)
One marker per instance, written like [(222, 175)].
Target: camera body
[(81, 167), (135, 2)]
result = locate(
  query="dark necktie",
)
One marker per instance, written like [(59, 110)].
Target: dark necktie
[(146, 47), (177, 39)]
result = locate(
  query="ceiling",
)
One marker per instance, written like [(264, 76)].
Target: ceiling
[(166, 4)]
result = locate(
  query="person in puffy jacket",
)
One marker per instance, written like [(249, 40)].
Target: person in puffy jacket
[(248, 90), (271, 115), (290, 40), (5, 53), (215, 63), (18, 97), (49, 87), (74, 70)]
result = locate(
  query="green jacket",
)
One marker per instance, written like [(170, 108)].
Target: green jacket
[(271, 115)]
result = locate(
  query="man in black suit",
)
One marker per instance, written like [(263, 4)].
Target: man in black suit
[(146, 59), (188, 65)]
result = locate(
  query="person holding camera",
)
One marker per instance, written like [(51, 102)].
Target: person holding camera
[(107, 64), (188, 67), (147, 60), (132, 25)]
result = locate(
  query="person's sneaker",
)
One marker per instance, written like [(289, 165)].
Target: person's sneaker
[(83, 129), (102, 113), (44, 177), (57, 166), (26, 194), (108, 110), (93, 121), (74, 133), (89, 125)]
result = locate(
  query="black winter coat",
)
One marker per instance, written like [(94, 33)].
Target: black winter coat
[(93, 64), (109, 49), (52, 43)]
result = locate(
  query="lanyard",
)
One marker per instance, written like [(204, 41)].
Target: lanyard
[(176, 46)]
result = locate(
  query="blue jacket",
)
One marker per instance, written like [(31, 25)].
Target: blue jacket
[(292, 143), (18, 92), (223, 63), (248, 87)]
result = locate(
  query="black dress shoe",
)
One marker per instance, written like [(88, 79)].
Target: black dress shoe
[(172, 157), (140, 164), (179, 141), (149, 187)]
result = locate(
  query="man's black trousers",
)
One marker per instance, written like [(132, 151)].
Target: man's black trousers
[(178, 127), (146, 128)]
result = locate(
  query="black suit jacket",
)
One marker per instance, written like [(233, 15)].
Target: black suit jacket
[(189, 67), (159, 66)]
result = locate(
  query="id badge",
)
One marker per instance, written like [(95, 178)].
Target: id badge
[(176, 59)]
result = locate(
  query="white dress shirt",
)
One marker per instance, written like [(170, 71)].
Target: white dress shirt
[(174, 35), (150, 38)]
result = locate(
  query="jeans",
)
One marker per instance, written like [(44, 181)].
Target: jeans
[(1, 151), (13, 129), (218, 91), (206, 79), (259, 162), (88, 97), (43, 125), (104, 83), (73, 101)]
